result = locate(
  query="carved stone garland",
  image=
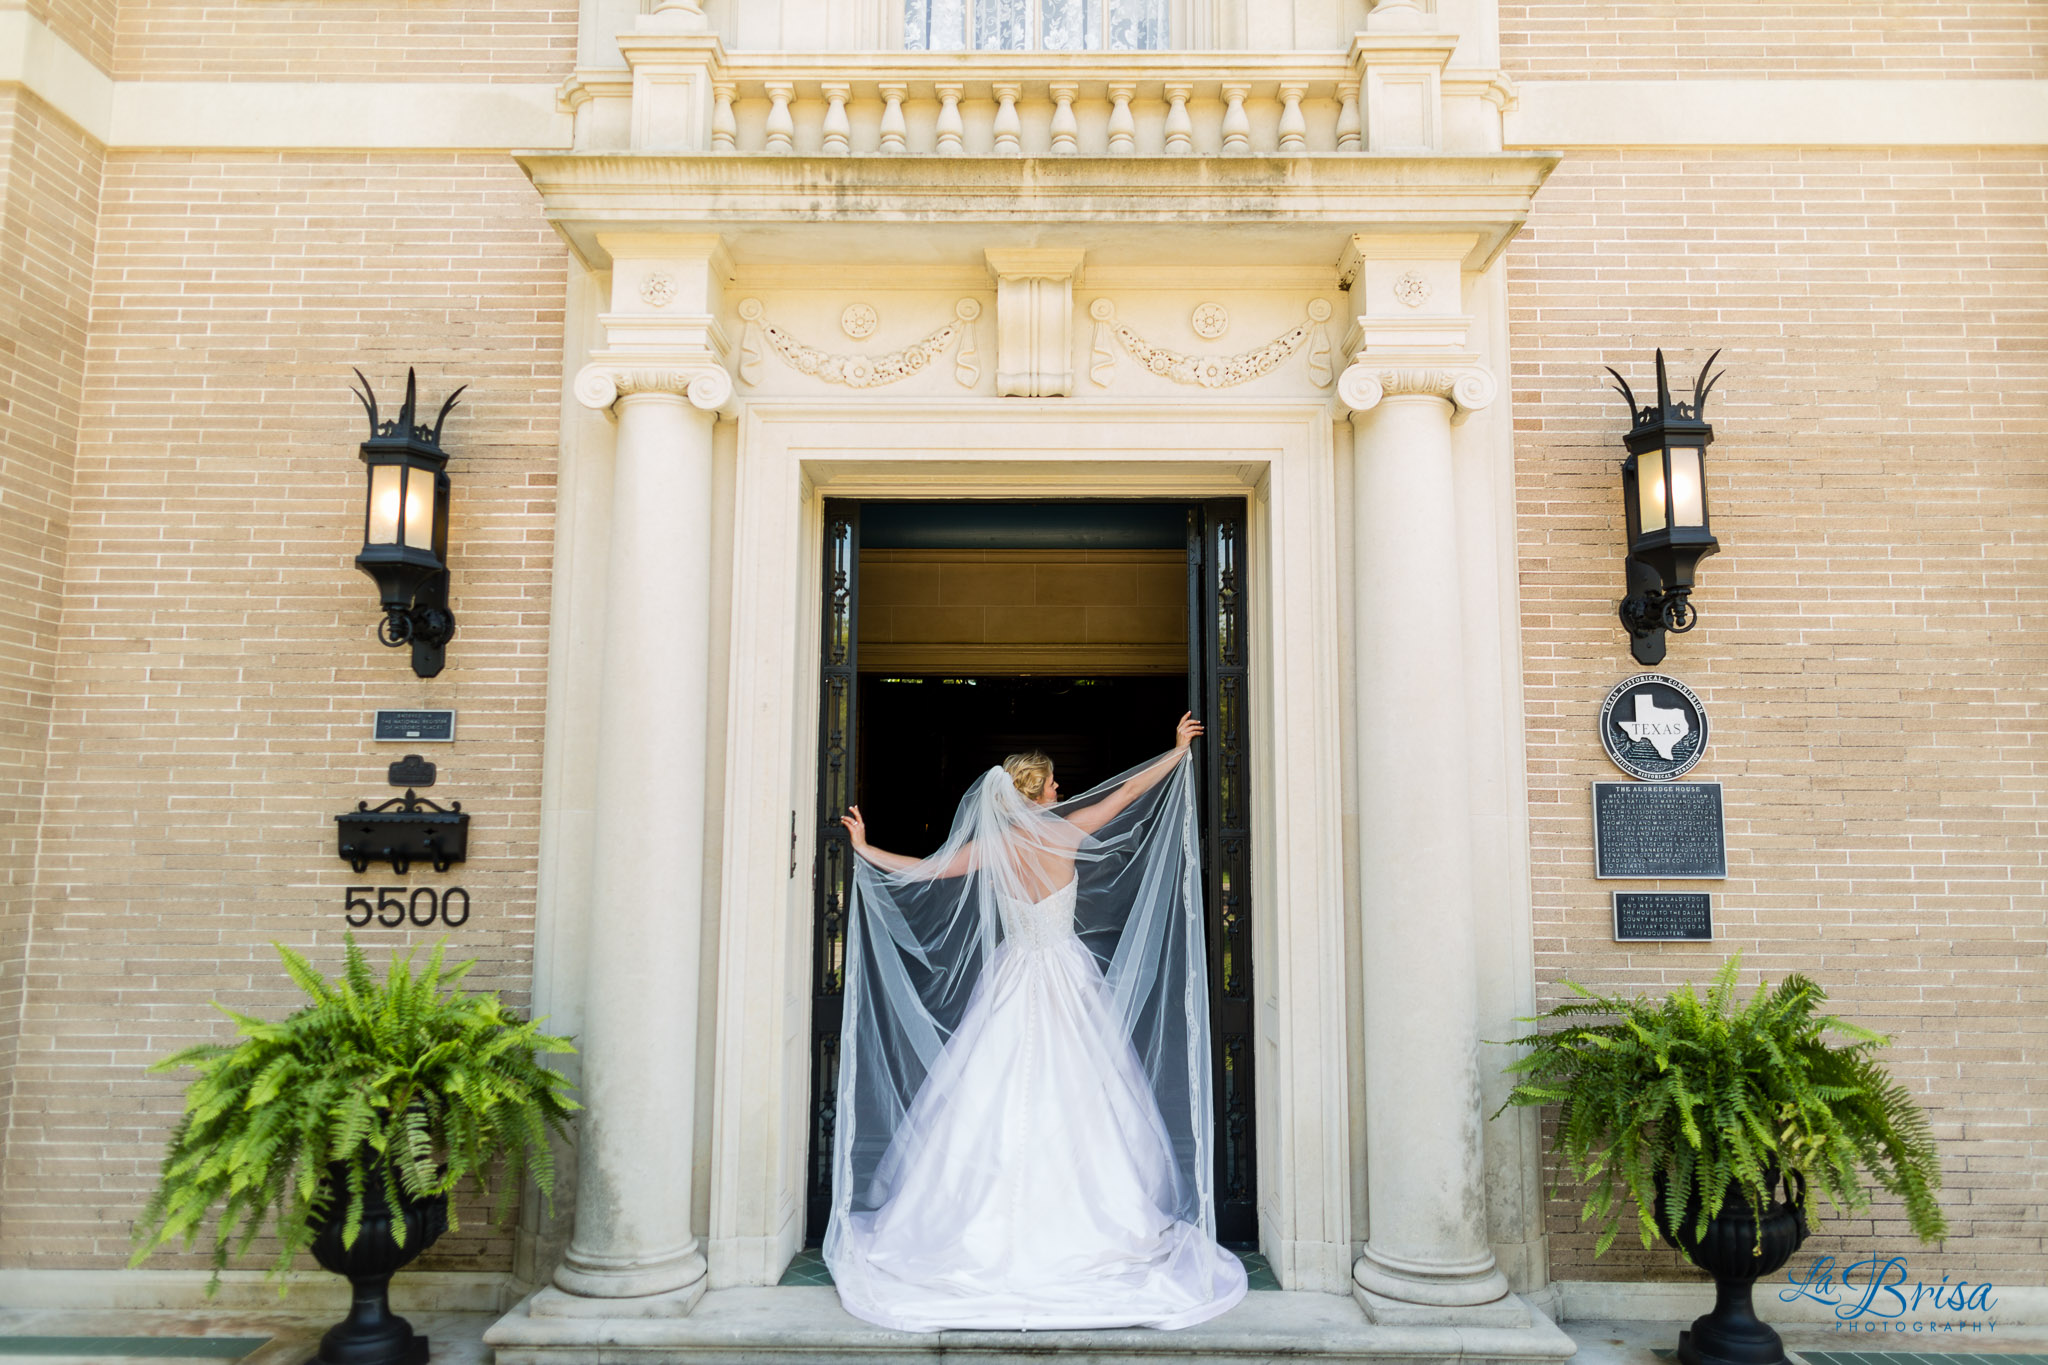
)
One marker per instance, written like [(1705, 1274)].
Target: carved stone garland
[(860, 371), (1210, 372)]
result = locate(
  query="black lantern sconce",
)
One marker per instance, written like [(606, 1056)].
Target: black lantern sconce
[(1664, 491), (405, 528)]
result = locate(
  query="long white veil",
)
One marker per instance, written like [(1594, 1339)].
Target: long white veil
[(920, 940)]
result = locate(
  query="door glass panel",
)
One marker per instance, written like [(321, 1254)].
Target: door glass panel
[(934, 25), (1137, 25), (1071, 25), (1002, 24), (833, 872), (1051, 25)]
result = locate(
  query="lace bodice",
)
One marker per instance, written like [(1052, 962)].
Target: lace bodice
[(1035, 925)]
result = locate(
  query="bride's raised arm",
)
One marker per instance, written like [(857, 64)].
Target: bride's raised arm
[(1093, 817), (957, 866)]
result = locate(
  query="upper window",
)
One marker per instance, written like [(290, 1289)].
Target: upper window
[(1051, 25)]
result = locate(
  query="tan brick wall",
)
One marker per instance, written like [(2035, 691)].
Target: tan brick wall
[(345, 40), (49, 201), (88, 25), (217, 670), (1653, 39), (1866, 647)]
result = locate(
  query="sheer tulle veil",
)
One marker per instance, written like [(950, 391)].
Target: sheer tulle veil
[(921, 938)]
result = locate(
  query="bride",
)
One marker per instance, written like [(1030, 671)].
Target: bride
[(1022, 1127)]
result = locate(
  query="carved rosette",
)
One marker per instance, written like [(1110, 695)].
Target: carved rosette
[(603, 382), (1467, 385)]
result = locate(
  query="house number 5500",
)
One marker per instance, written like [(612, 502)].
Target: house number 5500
[(394, 906)]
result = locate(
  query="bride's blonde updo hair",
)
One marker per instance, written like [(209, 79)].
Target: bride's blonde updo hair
[(1030, 771)]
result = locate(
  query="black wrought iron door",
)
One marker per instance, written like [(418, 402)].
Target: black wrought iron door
[(832, 878), (1217, 681)]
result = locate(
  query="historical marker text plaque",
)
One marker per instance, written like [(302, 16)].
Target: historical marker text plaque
[(1654, 916), (1648, 830)]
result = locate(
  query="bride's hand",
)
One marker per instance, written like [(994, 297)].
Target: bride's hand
[(1185, 732), (857, 827)]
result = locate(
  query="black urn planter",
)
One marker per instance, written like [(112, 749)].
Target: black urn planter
[(372, 1334), (1733, 1334)]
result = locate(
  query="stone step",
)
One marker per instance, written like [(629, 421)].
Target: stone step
[(804, 1325)]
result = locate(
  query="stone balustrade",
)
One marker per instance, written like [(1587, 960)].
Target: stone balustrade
[(1040, 113), (1387, 94)]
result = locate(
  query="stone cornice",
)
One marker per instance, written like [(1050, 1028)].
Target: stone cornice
[(1484, 196)]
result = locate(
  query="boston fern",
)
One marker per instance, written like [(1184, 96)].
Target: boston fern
[(1711, 1096), (404, 1082)]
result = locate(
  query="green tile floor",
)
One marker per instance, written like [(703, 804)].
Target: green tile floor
[(809, 1268), (132, 1348), (1917, 1358)]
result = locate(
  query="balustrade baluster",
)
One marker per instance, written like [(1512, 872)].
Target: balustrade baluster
[(1293, 128), (950, 141), (893, 137), (1349, 128), (1009, 140), (1180, 131), (724, 133), (1237, 129), (1066, 133), (1123, 130), (838, 133), (781, 128)]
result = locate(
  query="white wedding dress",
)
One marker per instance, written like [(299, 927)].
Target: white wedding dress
[(1032, 1180)]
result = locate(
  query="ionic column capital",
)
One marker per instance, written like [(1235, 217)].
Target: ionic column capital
[(1460, 380), (604, 381)]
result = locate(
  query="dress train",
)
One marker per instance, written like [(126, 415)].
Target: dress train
[(1027, 1186)]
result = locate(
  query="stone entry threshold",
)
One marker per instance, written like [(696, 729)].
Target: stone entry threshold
[(806, 1326)]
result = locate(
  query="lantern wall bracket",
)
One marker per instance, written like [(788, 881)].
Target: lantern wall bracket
[(1649, 610), (402, 831), (1659, 566), (427, 625), (412, 584)]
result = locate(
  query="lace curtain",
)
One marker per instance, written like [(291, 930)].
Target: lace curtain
[(1053, 25)]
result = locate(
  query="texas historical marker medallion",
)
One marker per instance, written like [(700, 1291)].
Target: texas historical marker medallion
[(1653, 727)]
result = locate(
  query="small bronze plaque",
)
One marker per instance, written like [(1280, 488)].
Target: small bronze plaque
[(1654, 915), (1647, 830), (415, 727), (411, 771)]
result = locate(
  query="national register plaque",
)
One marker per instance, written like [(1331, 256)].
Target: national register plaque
[(1647, 830)]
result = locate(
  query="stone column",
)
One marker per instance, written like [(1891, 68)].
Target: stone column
[(633, 1252), (1426, 1257)]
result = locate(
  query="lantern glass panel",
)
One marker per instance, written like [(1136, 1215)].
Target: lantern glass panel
[(1650, 492), (1688, 502), (419, 510), (385, 483)]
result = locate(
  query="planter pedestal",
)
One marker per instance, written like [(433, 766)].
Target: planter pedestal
[(1734, 1253), (1732, 1334), (372, 1334)]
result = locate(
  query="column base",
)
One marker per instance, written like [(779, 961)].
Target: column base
[(613, 1288), (554, 1302), (1382, 1311), (1403, 1284)]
